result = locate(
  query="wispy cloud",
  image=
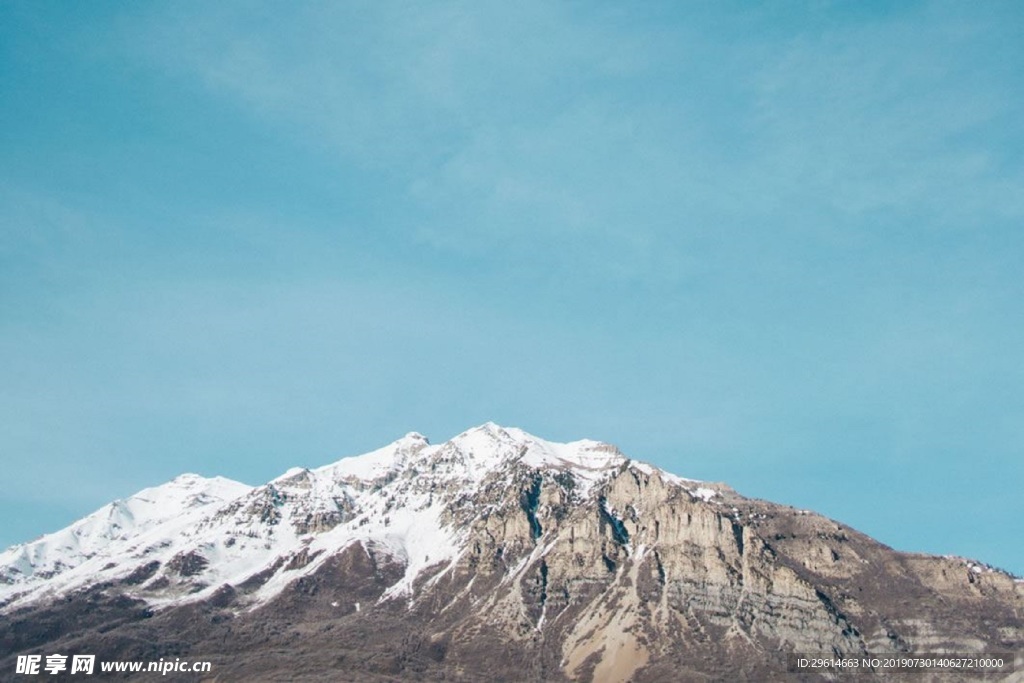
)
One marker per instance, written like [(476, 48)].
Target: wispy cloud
[(540, 123)]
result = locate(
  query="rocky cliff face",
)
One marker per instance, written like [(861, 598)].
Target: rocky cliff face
[(494, 556)]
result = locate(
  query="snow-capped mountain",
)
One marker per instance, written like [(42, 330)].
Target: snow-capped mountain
[(491, 547), (216, 531)]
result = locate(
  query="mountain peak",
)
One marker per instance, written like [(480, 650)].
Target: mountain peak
[(414, 437), (537, 452), (379, 463)]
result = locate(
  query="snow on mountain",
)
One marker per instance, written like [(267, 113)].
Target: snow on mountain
[(186, 539), (493, 551), (116, 529)]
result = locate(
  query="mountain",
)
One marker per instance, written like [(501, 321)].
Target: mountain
[(496, 555)]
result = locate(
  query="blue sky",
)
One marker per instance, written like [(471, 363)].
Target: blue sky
[(775, 245)]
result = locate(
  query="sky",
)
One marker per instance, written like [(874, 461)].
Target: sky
[(772, 244)]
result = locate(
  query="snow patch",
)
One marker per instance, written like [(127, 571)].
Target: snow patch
[(704, 493)]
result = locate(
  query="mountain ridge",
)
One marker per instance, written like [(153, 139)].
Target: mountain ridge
[(483, 449), (599, 566)]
